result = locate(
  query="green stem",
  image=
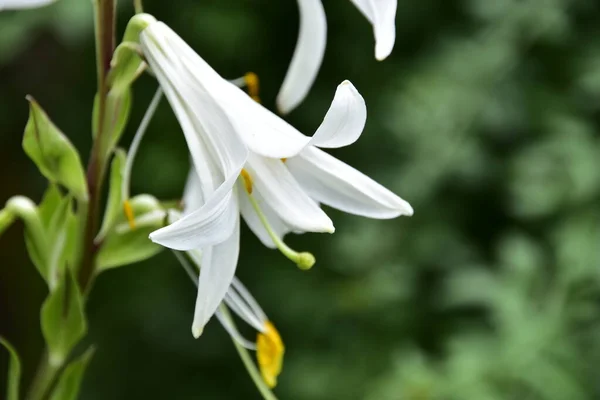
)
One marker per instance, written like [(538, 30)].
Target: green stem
[(247, 360), (44, 380), (104, 12), (137, 5)]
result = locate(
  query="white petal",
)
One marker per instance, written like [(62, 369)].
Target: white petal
[(345, 119), (307, 57), (253, 221), (216, 273), (193, 198), (335, 183), (217, 150), (281, 192), (211, 224), (16, 4), (382, 14)]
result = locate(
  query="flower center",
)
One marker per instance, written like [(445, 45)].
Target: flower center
[(269, 353)]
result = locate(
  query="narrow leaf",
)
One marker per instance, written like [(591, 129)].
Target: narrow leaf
[(113, 205), (14, 371), (62, 318)]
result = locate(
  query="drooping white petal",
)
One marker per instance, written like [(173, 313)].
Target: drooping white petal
[(307, 58), (345, 119), (217, 150), (335, 183), (213, 223), (284, 195), (382, 15), (193, 198), (253, 221), (216, 273), (17, 4)]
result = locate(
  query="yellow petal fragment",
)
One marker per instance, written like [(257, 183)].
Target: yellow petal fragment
[(269, 353), (247, 180), (129, 214), (252, 84)]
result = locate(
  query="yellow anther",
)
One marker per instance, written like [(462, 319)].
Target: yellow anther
[(252, 84), (129, 214), (269, 353), (247, 180), (283, 159)]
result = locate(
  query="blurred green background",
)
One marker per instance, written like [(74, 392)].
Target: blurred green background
[(485, 118)]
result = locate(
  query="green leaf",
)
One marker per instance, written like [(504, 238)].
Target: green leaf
[(58, 235), (63, 319), (52, 197), (52, 152), (114, 203), (124, 245), (14, 371), (118, 106), (36, 240), (6, 219), (70, 381)]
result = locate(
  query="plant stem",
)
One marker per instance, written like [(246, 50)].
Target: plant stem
[(104, 18), (105, 44), (44, 380)]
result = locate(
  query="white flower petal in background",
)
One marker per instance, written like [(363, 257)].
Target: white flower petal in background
[(333, 182), (285, 196), (218, 268), (382, 15), (345, 119), (307, 57), (18, 4)]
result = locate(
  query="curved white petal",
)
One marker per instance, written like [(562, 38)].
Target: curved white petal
[(253, 221), (345, 119), (217, 150), (284, 195), (17, 4), (216, 273), (307, 57), (335, 183), (212, 223), (382, 15), (193, 198)]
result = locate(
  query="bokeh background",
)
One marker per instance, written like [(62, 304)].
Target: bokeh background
[(486, 118)]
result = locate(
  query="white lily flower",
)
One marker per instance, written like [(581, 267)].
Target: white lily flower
[(217, 152), (276, 196), (312, 37), (18, 4)]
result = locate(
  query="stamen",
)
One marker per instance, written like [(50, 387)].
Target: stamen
[(283, 159), (129, 214), (304, 260), (269, 353), (247, 180), (252, 84)]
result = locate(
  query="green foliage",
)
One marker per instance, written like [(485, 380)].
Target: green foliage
[(114, 206), (125, 244), (63, 320), (70, 380), (52, 152), (14, 371)]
